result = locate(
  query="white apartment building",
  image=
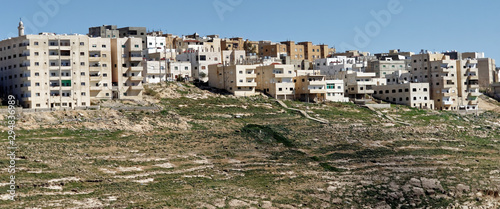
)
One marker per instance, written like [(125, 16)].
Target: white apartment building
[(332, 66), (276, 80), (200, 60), (180, 70), (154, 44), (154, 71), (335, 91)]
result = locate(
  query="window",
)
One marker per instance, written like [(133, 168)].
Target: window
[(36, 43), (36, 53), (94, 45), (414, 89), (82, 63), (425, 89), (241, 72), (83, 83), (37, 84), (103, 46), (280, 89), (83, 94), (37, 74), (104, 75), (82, 73), (136, 46), (81, 43)]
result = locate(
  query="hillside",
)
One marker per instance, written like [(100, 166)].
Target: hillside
[(184, 147)]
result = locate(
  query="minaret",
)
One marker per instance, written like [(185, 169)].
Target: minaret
[(21, 28)]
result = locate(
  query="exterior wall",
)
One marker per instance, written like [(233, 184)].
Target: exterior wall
[(154, 71), (276, 80), (137, 32), (468, 84), (180, 70), (44, 71), (237, 79), (360, 84), (127, 68), (381, 68), (332, 66), (410, 94), (335, 91), (233, 57), (310, 88), (105, 31), (486, 71), (100, 74), (154, 44)]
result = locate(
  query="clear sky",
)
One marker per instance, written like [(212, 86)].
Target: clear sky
[(367, 25)]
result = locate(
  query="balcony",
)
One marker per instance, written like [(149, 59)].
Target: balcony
[(135, 58), (136, 69), (472, 77), (95, 78), (317, 83), (317, 91), (26, 99), (472, 102), (135, 78), (26, 88), (473, 94), (25, 67), (447, 102), (136, 87), (250, 75), (95, 88), (247, 84), (24, 45), (282, 75)]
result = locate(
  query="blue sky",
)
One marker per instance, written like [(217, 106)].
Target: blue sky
[(409, 25)]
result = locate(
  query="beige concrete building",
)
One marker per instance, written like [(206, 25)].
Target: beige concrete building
[(310, 87), (127, 68), (100, 64), (240, 80), (399, 90), (486, 72), (276, 80), (468, 84), (44, 71)]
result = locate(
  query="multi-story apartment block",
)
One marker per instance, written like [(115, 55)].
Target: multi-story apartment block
[(105, 31), (180, 70), (155, 44), (335, 91), (310, 87), (99, 67), (200, 60), (486, 72), (127, 68), (154, 71), (332, 66), (44, 71), (400, 90), (359, 85), (233, 44), (237, 79), (233, 57), (441, 73), (276, 80), (137, 32), (410, 94), (467, 83), (385, 66)]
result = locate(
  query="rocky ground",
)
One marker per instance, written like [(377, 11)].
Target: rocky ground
[(203, 149)]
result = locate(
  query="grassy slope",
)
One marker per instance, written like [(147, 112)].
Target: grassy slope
[(268, 154)]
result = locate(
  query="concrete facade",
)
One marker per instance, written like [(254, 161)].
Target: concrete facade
[(335, 91), (276, 80), (239, 80)]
